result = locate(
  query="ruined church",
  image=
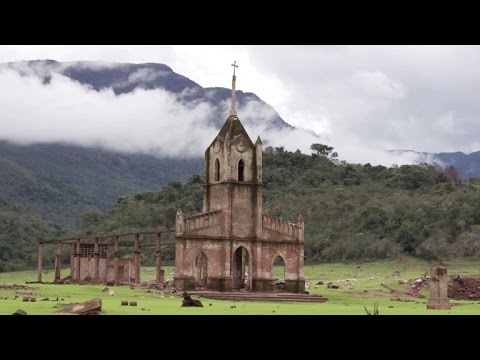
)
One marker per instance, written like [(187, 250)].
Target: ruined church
[(233, 243)]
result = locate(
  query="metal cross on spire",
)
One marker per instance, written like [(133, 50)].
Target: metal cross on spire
[(234, 66), (233, 111)]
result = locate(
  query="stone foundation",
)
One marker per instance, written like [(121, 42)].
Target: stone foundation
[(262, 285), (219, 284), (184, 283), (295, 286), (439, 304)]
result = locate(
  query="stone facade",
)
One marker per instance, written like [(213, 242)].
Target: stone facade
[(233, 243)]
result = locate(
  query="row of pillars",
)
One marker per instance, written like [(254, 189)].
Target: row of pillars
[(75, 256)]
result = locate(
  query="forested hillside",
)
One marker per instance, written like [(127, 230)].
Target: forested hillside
[(61, 181), (20, 230), (351, 211)]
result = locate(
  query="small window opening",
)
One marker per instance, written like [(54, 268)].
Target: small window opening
[(241, 171), (217, 170)]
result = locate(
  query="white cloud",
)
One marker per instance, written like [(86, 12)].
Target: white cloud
[(65, 111), (360, 99), (377, 83), (150, 121), (146, 75)]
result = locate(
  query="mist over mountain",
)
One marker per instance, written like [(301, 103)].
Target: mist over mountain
[(77, 135), (64, 146), (125, 78), (467, 165)]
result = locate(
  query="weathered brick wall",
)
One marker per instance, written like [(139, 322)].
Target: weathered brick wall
[(123, 270), (87, 268), (219, 254), (215, 251), (243, 206)]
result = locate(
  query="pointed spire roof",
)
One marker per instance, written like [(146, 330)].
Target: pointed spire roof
[(233, 127)]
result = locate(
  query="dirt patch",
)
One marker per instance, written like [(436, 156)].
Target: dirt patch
[(464, 288), (459, 288), (15, 287), (375, 293), (258, 296), (412, 287), (415, 286)]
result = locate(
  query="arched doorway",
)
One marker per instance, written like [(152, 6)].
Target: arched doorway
[(201, 270), (278, 273), (241, 269)]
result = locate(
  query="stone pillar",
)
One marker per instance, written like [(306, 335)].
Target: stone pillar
[(96, 255), (438, 289), (183, 279), (158, 254), (179, 223), (58, 260), (137, 259), (72, 261), (40, 258), (225, 282), (259, 195), (117, 260), (206, 189), (259, 213), (301, 228), (78, 257)]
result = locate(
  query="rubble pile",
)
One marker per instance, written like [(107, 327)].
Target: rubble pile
[(464, 288)]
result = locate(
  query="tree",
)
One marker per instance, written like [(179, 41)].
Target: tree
[(91, 217), (323, 150), (453, 175)]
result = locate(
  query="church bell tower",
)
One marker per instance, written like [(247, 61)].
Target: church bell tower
[(233, 176), (232, 244)]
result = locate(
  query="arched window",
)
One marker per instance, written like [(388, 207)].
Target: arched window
[(217, 170), (241, 171)]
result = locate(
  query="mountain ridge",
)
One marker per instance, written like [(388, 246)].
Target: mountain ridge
[(124, 78), (467, 164), (62, 180)]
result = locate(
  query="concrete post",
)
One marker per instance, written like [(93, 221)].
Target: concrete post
[(72, 261), (78, 257), (40, 258), (58, 262), (158, 253), (117, 259), (137, 259), (96, 255)]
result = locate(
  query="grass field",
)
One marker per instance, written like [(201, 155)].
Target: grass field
[(350, 299)]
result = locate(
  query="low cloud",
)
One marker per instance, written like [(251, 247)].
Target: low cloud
[(360, 99), (148, 121), (378, 84), (65, 111), (141, 77)]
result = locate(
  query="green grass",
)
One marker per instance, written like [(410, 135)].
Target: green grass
[(350, 299)]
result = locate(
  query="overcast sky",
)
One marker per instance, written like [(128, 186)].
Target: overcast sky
[(359, 99)]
